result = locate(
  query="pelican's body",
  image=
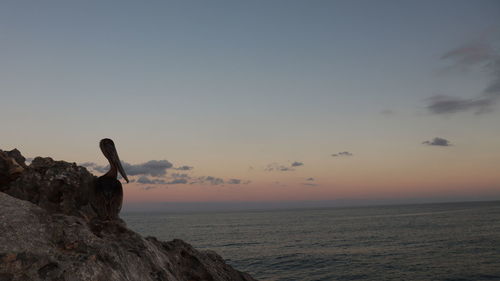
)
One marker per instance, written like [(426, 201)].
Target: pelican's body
[(108, 197), (108, 191)]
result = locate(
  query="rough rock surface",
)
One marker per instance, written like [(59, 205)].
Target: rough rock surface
[(56, 186), (44, 237), (10, 167)]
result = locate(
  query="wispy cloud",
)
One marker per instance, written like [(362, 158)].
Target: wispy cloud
[(180, 176), (88, 164), (278, 167), (146, 180), (283, 168), (342, 154), (204, 180), (310, 182), (183, 168), (178, 181), (441, 104), (174, 178), (216, 181), (480, 56), (470, 54), (234, 181), (154, 172), (155, 168), (438, 142), (210, 180)]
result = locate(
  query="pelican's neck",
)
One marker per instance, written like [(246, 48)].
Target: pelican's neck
[(113, 171)]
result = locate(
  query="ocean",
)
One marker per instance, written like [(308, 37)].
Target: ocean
[(449, 241)]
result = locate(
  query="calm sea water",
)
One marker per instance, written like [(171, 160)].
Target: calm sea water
[(458, 241)]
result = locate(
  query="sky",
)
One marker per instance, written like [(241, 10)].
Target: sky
[(260, 101)]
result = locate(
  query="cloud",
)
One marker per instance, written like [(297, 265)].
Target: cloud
[(470, 54), (210, 180), (176, 178), (155, 168), (88, 164), (234, 181), (237, 181), (483, 57), (441, 104), (438, 142), (100, 169), (181, 176), (178, 181), (158, 170), (278, 167), (217, 181), (149, 187), (146, 180), (342, 154), (310, 182), (184, 168), (283, 168)]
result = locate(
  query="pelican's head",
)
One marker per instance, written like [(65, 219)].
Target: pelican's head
[(108, 149)]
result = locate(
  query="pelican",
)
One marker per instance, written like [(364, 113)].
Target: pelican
[(108, 192)]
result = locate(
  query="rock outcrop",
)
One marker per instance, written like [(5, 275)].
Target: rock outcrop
[(56, 186), (49, 232), (11, 166)]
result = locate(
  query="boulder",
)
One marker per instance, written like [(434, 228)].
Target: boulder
[(10, 168), (47, 232), (57, 186)]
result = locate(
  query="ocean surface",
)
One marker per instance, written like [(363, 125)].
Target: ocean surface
[(451, 241)]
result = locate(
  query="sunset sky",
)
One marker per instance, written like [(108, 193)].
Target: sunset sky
[(260, 100)]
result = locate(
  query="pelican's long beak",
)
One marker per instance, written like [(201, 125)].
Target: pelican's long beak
[(109, 150), (119, 166)]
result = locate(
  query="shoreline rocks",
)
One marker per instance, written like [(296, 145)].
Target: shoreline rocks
[(48, 232)]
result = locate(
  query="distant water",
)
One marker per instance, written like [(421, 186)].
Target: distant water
[(457, 241)]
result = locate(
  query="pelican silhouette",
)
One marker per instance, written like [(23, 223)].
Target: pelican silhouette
[(108, 192)]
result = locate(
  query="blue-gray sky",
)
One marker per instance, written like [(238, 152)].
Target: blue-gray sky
[(222, 86)]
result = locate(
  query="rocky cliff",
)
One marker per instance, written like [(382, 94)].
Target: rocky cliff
[(49, 232)]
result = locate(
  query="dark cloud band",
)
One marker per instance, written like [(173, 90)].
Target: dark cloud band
[(482, 56), (342, 154), (438, 142), (155, 168), (283, 168)]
